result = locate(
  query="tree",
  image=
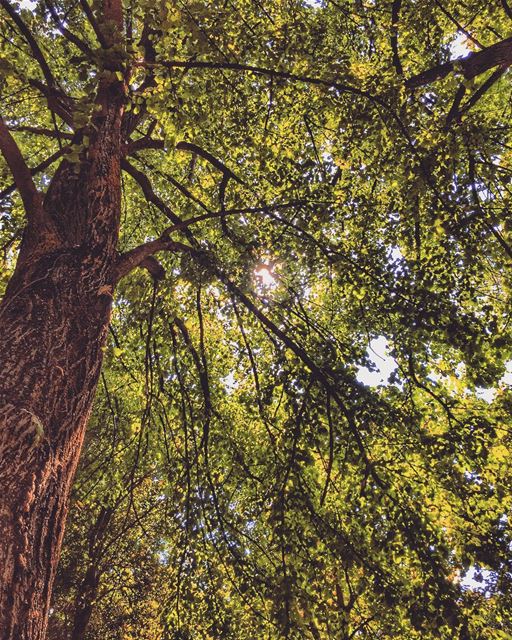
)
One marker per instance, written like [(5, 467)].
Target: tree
[(312, 177)]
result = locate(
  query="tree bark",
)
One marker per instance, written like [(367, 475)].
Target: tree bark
[(53, 331), (53, 322), (471, 66)]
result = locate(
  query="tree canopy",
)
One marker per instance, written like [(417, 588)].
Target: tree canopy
[(300, 180)]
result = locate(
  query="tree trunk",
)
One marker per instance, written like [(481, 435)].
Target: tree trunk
[(53, 329), (87, 591), (53, 326), (85, 603)]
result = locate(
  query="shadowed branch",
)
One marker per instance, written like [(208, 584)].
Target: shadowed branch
[(499, 54)]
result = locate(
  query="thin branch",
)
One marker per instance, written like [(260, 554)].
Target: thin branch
[(80, 44), (193, 148), (492, 79), (458, 25), (37, 169), (271, 73), (202, 371), (243, 211), (31, 41), (94, 23), (180, 187), (41, 131), (476, 200), (506, 8), (315, 150), (148, 191), (501, 240), (454, 112), (134, 258), (57, 101), (330, 461)]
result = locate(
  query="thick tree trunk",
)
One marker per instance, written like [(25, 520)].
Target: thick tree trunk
[(53, 327)]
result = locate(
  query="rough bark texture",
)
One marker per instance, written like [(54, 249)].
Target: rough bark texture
[(53, 323), (53, 331)]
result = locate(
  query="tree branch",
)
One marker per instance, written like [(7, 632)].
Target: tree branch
[(271, 73), (148, 191), (37, 169), (31, 41), (499, 54), (432, 74), (454, 112), (175, 183), (482, 213), (142, 256), (32, 200), (458, 24), (492, 79), (143, 143), (193, 148), (94, 23), (56, 100), (41, 131), (395, 16), (506, 8), (80, 44)]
